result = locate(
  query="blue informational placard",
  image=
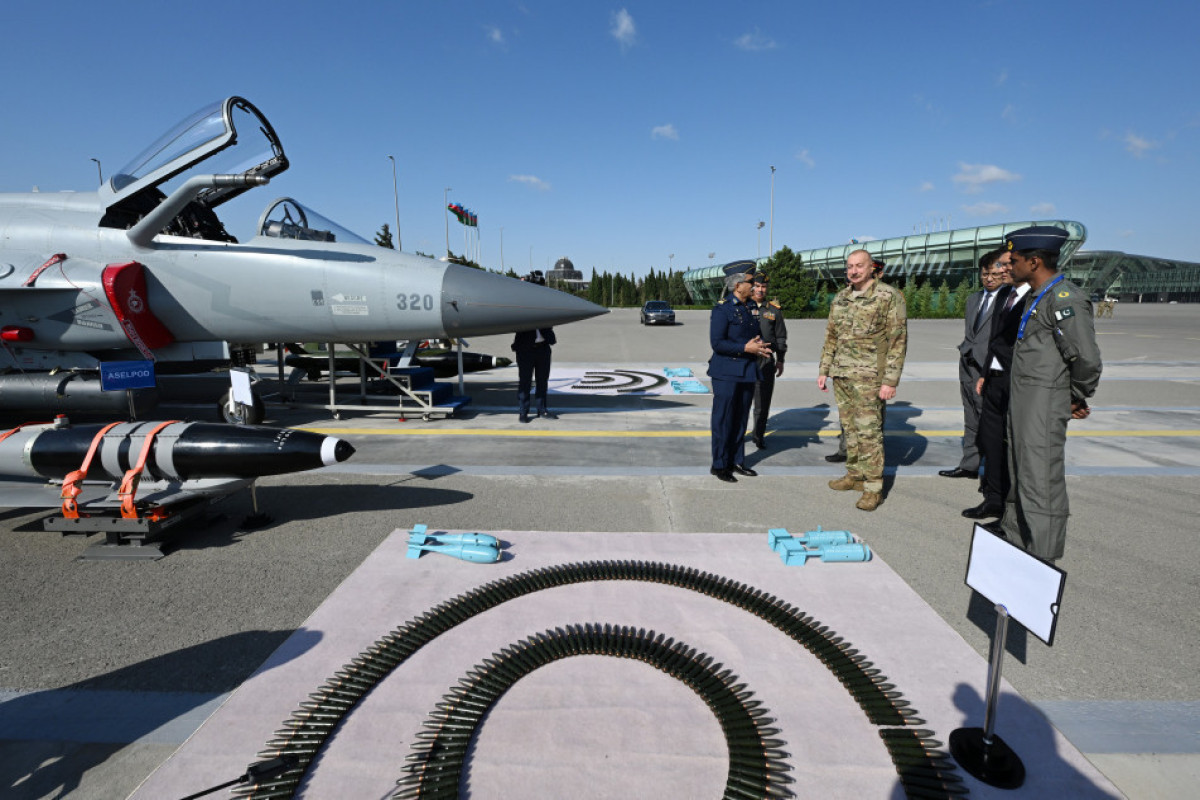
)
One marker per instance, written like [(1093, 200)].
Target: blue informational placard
[(118, 375)]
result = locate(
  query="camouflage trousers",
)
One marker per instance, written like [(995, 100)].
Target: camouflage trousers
[(861, 413)]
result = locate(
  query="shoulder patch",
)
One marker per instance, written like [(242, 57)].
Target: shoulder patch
[(1062, 314), (1064, 293)]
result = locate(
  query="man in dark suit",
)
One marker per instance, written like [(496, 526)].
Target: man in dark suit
[(993, 389), (737, 344), (533, 359), (972, 351)]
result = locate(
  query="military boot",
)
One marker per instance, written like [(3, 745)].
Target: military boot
[(869, 501), (847, 483)]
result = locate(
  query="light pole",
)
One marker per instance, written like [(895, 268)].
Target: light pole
[(771, 237), (98, 171), (502, 269), (670, 262), (446, 214), (760, 227), (396, 197)]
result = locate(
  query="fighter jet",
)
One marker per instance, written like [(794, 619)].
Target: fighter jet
[(145, 269)]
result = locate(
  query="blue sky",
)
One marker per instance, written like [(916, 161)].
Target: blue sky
[(617, 134)]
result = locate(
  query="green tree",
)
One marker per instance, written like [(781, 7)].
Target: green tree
[(961, 293), (791, 284), (944, 308), (677, 292), (384, 238)]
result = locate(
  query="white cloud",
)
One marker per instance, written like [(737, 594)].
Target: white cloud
[(664, 132), (1137, 145), (495, 35), (986, 209), (804, 158), (531, 180), (973, 177), (1009, 113), (1002, 78), (755, 42), (1043, 209), (623, 29), (926, 186)]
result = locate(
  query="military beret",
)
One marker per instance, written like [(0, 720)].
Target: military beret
[(1038, 237)]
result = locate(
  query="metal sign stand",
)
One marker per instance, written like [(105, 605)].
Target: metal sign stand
[(1029, 590), (979, 750)]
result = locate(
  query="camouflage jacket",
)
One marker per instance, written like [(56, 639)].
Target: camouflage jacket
[(867, 336)]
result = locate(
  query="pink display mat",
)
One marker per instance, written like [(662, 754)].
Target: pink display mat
[(604, 727)]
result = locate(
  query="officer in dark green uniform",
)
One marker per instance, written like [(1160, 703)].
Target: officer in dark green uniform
[(1055, 368), (774, 333)]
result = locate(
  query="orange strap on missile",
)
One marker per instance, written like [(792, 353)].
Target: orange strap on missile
[(9, 433), (129, 484), (71, 488)]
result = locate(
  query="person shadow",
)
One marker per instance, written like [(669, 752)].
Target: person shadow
[(795, 428), (1025, 729), (54, 737)]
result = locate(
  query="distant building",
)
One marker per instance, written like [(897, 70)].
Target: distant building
[(954, 256), (564, 272)]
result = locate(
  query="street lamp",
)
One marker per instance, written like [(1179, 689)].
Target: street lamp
[(396, 196), (98, 171), (670, 261), (771, 240), (446, 214)]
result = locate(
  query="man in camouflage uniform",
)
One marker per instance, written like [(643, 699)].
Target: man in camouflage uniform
[(774, 333), (1055, 368), (865, 343)]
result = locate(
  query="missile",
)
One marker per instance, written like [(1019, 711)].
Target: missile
[(477, 553), (179, 451)]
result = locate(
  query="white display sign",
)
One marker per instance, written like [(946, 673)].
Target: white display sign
[(1029, 588)]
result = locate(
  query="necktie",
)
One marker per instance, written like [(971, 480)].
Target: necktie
[(1012, 299), (983, 308)]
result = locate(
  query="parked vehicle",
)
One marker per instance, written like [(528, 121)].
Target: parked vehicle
[(658, 312)]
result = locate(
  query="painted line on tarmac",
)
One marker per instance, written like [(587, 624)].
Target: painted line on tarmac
[(1127, 726), (429, 471), (106, 716), (699, 434)]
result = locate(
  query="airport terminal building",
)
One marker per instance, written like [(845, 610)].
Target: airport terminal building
[(954, 256)]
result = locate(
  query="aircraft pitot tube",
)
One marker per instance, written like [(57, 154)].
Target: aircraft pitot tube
[(178, 451)]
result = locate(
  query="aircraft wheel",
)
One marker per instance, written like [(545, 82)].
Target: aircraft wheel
[(240, 413)]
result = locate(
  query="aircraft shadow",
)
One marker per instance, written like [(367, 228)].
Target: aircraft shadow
[(48, 753)]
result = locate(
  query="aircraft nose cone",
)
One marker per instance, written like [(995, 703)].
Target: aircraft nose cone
[(481, 303), (335, 451)]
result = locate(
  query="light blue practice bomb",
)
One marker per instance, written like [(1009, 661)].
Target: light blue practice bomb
[(479, 548), (820, 538), (845, 552)]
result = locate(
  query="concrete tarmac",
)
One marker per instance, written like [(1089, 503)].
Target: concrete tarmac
[(107, 666)]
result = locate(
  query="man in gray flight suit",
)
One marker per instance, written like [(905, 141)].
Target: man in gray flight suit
[(774, 333), (1055, 368)]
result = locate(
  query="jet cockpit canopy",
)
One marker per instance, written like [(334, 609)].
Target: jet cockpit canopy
[(230, 137)]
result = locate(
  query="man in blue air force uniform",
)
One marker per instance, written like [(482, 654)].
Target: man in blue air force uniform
[(736, 344)]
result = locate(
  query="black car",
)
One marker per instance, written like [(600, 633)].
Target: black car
[(658, 312)]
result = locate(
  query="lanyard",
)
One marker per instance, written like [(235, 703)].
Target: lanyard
[(1033, 305)]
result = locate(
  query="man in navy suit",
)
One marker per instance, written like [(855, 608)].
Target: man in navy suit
[(993, 389), (972, 352), (533, 360), (736, 344)]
